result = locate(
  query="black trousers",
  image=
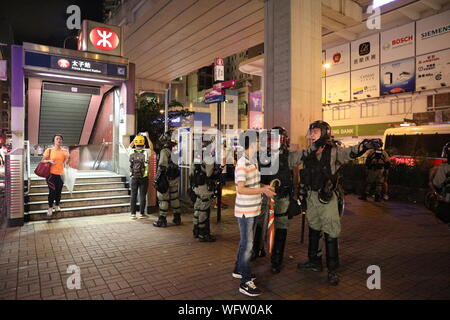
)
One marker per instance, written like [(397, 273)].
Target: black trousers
[(140, 184), (55, 185)]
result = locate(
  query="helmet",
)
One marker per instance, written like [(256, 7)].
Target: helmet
[(325, 129), (446, 151), (139, 141), (166, 139), (284, 137)]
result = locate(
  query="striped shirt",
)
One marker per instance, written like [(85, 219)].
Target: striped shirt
[(247, 205)]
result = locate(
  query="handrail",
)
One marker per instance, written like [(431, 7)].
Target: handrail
[(28, 164), (100, 151)]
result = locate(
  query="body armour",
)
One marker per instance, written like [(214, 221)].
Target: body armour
[(317, 172), (281, 172)]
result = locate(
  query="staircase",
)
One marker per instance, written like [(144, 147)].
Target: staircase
[(95, 193)]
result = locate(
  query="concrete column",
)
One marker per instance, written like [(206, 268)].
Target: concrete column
[(292, 68)]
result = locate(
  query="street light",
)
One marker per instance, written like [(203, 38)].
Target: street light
[(64, 45)]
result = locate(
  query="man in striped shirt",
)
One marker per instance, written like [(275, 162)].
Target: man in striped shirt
[(247, 207)]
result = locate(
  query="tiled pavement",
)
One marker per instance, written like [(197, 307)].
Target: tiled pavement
[(122, 258)]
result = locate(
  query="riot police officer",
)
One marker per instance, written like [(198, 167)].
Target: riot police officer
[(324, 196), (202, 175), (377, 164), (171, 170), (441, 181), (275, 166)]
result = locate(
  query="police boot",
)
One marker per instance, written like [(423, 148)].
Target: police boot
[(205, 236), (332, 259), (177, 219), (278, 250), (314, 262), (363, 197), (195, 231), (377, 198), (162, 222)]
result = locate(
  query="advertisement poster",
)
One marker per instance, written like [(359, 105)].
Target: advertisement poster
[(255, 99), (365, 83), (433, 33), (256, 120), (365, 52), (397, 77), (398, 43), (339, 59), (338, 88), (433, 70)]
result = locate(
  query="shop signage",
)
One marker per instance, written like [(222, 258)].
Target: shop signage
[(397, 77), (365, 83), (338, 88), (100, 38), (398, 43), (433, 33), (433, 70), (338, 58), (365, 52)]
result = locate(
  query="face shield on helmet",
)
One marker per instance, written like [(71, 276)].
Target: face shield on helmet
[(318, 129), (279, 138), (166, 139)]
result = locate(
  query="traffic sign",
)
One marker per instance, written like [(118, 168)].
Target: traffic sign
[(215, 99), (214, 93), (224, 85)]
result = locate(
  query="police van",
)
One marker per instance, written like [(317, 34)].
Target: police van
[(409, 144)]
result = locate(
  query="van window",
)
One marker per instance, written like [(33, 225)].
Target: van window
[(423, 145)]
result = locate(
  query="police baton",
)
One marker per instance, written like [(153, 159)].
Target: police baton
[(302, 239)]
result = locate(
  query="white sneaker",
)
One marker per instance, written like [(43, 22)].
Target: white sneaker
[(144, 215), (57, 208), (249, 289), (386, 197), (49, 212)]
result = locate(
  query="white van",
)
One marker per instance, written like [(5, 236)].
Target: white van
[(411, 143)]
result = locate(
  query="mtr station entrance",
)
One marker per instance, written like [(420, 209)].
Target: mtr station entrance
[(86, 97)]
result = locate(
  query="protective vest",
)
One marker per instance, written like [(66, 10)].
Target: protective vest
[(376, 160), (281, 172), (198, 178), (173, 171), (316, 172)]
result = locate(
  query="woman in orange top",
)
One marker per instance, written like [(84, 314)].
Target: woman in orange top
[(57, 156)]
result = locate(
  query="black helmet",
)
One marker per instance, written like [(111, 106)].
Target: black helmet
[(284, 137), (446, 151), (166, 139), (325, 129)]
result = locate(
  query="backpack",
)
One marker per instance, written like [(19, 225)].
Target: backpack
[(137, 164)]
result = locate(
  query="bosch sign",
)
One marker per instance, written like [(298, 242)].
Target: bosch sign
[(402, 40)]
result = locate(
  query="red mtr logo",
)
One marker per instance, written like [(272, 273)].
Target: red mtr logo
[(63, 63), (104, 38)]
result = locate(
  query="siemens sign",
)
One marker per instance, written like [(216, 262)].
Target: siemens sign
[(435, 32)]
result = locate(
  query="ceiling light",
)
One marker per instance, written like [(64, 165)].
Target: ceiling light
[(72, 77), (379, 3)]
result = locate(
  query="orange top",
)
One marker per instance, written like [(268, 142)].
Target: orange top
[(59, 156)]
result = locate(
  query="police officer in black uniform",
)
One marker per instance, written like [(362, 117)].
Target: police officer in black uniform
[(275, 166)]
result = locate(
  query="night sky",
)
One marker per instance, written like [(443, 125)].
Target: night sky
[(44, 22)]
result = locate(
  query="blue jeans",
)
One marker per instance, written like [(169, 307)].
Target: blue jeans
[(244, 254)]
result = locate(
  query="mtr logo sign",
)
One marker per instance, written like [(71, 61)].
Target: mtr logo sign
[(100, 38), (104, 38)]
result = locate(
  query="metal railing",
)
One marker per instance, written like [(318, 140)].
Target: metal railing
[(27, 169), (100, 154)]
